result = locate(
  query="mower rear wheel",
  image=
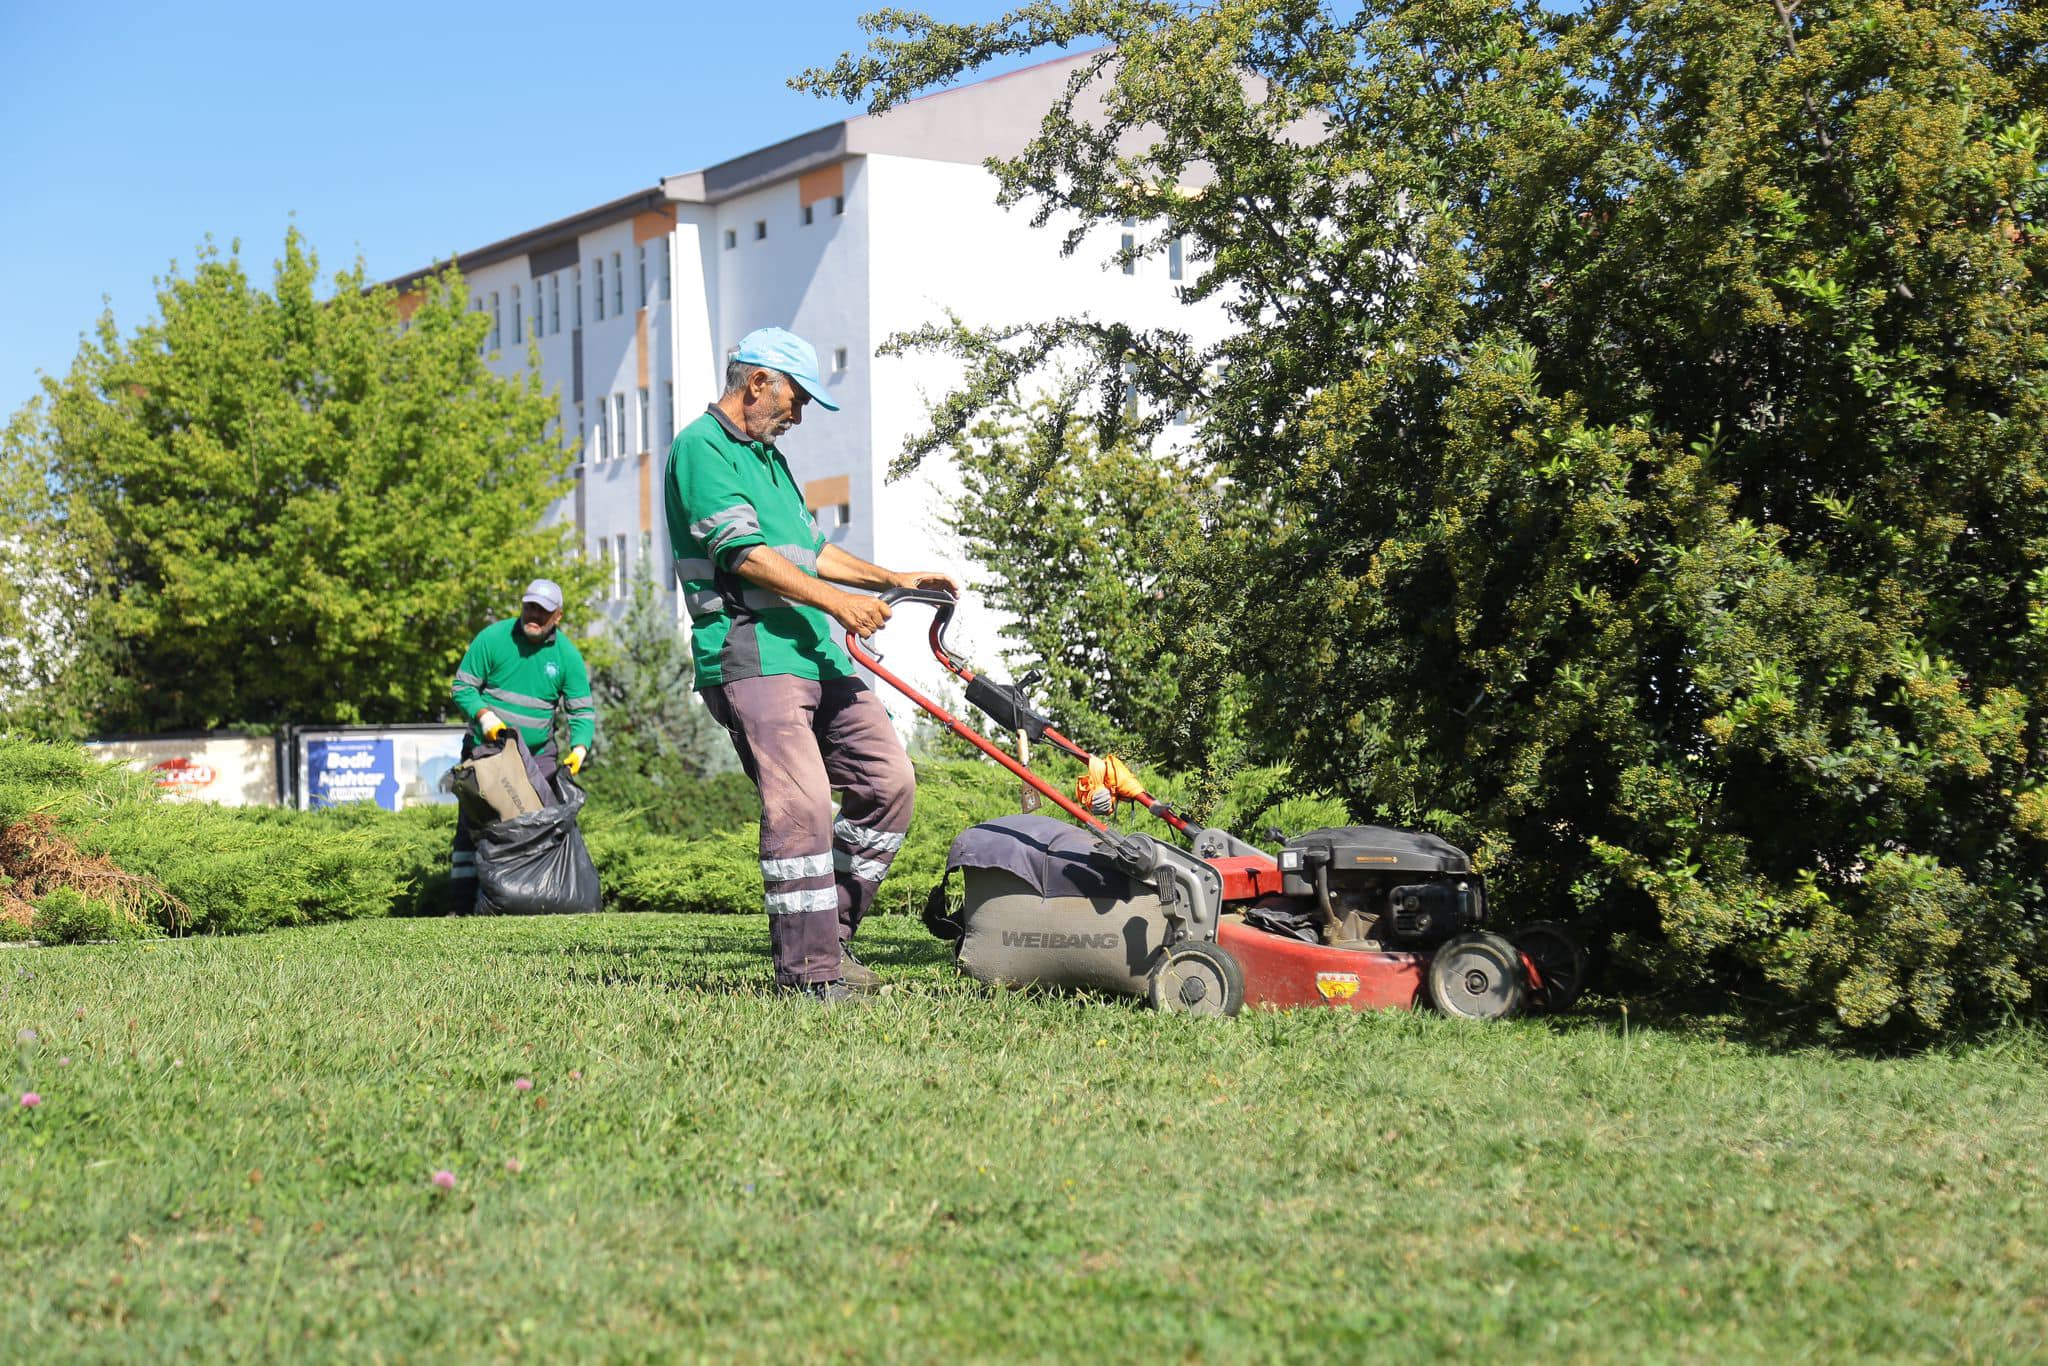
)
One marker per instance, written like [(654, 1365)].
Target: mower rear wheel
[(1197, 978), (1560, 960), (1477, 977)]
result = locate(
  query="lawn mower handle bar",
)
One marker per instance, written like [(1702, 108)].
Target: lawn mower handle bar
[(943, 603)]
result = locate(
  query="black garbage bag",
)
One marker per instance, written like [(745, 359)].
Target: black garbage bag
[(536, 864)]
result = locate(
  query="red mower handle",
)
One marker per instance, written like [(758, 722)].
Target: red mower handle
[(943, 604)]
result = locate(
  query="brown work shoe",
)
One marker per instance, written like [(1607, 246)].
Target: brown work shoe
[(855, 973)]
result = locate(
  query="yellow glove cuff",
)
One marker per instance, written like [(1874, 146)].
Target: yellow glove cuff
[(489, 724), (576, 760)]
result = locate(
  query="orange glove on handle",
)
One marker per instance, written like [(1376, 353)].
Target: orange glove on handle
[(489, 724), (1107, 781)]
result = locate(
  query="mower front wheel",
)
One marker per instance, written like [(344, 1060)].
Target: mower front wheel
[(1197, 978), (1477, 977)]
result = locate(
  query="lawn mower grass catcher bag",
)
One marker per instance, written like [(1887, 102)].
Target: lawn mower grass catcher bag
[(536, 863), (1042, 905)]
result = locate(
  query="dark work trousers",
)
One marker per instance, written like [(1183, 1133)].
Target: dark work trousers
[(800, 740), (462, 859)]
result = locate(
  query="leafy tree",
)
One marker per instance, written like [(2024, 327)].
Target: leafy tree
[(294, 507), (1079, 543), (1650, 402), (649, 723), (44, 593)]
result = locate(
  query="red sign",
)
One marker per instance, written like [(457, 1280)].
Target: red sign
[(183, 775)]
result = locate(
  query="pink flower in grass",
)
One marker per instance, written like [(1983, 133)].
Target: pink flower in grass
[(514, 1166), (64, 1061), (523, 1084), (575, 1075), (30, 1099), (444, 1179)]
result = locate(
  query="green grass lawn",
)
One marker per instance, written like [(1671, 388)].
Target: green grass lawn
[(236, 1158)]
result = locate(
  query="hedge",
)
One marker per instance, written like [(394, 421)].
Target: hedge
[(88, 851)]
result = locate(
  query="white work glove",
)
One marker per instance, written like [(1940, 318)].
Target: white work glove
[(488, 722)]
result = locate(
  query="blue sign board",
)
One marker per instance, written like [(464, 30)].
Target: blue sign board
[(342, 771)]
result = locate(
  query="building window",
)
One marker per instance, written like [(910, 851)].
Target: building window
[(1174, 268), (646, 423), (1130, 245), (662, 276), (495, 320), (844, 512), (597, 287), (641, 253), (555, 303), (732, 239), (597, 451), (810, 214), (518, 319), (576, 318), (668, 405), (621, 566), (1130, 391), (604, 557), (760, 229), (619, 425), (838, 205), (618, 287)]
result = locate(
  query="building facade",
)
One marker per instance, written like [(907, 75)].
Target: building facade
[(845, 235)]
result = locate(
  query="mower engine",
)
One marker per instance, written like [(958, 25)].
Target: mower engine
[(1378, 888)]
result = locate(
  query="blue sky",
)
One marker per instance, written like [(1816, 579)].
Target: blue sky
[(401, 133)]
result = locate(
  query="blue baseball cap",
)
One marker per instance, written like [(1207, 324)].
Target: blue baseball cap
[(775, 348)]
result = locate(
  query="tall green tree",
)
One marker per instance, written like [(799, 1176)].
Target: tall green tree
[(1652, 403), (649, 721), (295, 506), (1080, 545)]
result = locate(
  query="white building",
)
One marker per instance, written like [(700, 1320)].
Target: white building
[(845, 235)]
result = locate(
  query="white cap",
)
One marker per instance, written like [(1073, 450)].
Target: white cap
[(545, 594)]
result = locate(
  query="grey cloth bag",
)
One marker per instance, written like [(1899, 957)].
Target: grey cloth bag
[(1043, 906)]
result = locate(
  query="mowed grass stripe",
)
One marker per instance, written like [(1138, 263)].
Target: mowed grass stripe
[(236, 1161)]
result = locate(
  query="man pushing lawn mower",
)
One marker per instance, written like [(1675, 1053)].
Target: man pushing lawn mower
[(759, 583)]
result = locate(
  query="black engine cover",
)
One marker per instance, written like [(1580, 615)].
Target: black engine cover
[(1374, 849), (1398, 886)]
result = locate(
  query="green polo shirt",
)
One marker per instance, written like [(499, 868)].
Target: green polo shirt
[(726, 495), (506, 671)]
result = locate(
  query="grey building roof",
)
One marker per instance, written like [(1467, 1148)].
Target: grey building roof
[(969, 123)]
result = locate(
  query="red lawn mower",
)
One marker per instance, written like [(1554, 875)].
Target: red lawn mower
[(1358, 917)]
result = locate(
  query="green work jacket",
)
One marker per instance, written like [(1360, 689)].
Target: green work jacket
[(725, 496)]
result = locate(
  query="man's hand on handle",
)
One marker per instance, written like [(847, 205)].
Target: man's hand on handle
[(859, 613), (490, 725), (926, 578), (574, 763)]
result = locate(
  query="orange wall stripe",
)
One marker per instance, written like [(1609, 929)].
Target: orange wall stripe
[(823, 183)]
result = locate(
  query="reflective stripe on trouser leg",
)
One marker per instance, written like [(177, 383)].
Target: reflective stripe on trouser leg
[(866, 762), (770, 721)]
